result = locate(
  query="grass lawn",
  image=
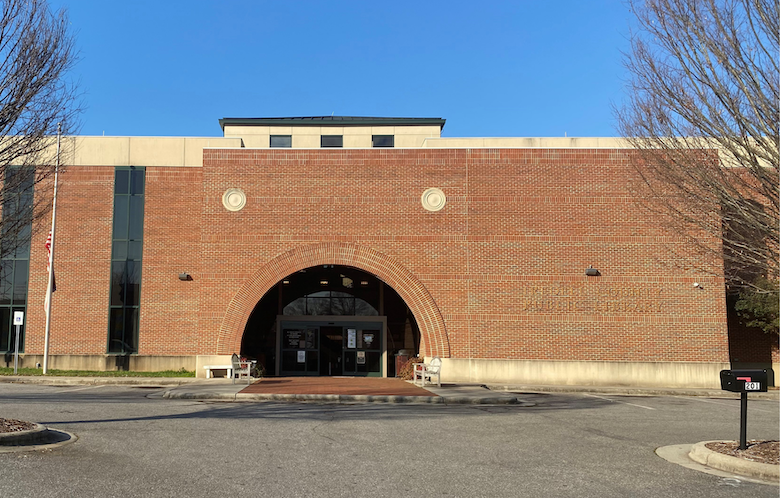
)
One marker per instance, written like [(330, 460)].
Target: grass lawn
[(88, 373)]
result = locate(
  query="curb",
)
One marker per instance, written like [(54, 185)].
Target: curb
[(705, 456), (99, 381), (346, 398), (37, 434), (632, 391), (340, 398)]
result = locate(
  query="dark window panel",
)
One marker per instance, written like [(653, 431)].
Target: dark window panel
[(135, 249), (136, 230), (312, 361), (131, 329), (122, 181), (382, 140), (282, 141), (342, 306), (318, 306), (21, 274), (5, 328), (373, 361), (116, 321), (118, 283), (137, 177), (119, 250), (362, 308), (133, 283), (6, 281), (121, 209), (332, 141), (23, 240), (12, 344)]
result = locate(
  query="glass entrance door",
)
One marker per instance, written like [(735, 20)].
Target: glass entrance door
[(331, 350), (300, 350), (363, 350), (332, 347)]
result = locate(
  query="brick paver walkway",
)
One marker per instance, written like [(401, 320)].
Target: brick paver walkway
[(336, 385)]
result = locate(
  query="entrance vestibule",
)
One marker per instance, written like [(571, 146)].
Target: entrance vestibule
[(330, 320), (332, 346)]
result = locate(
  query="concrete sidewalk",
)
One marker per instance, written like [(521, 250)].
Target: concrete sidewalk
[(303, 389)]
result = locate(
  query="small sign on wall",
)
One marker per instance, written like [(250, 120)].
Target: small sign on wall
[(301, 356), (18, 317)]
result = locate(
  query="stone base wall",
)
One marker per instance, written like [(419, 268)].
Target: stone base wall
[(585, 373), (104, 363)]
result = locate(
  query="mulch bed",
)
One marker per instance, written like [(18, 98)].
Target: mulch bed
[(756, 451), (11, 425)]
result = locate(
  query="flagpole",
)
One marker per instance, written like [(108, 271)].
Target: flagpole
[(51, 255)]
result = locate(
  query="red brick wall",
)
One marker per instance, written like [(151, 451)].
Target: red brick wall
[(501, 266), (82, 266), (504, 261), (172, 233)]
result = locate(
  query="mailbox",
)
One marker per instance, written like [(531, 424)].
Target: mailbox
[(744, 381)]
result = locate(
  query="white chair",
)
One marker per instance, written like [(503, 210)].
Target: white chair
[(427, 371), (241, 369)]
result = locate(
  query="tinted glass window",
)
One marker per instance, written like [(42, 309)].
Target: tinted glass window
[(332, 141), (122, 181), (383, 140), (127, 249), (281, 141), (17, 213)]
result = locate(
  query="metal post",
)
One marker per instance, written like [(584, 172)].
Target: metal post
[(49, 289), (743, 421), (16, 350)]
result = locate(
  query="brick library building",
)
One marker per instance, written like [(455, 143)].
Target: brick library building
[(332, 245)]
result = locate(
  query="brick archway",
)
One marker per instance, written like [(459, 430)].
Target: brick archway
[(433, 333)]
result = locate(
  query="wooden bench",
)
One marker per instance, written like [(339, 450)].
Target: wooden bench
[(210, 370), (428, 371)]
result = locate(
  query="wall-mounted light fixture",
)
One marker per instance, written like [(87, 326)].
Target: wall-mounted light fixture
[(184, 276), (323, 282), (592, 272), (698, 286)]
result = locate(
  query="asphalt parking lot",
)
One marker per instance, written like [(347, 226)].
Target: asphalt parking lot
[(567, 445)]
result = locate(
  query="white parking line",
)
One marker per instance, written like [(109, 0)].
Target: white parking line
[(622, 402), (733, 404), (77, 389)]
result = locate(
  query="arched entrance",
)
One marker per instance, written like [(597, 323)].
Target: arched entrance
[(330, 320), (433, 335)]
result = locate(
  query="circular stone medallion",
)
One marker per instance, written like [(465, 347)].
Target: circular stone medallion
[(234, 199), (433, 199)]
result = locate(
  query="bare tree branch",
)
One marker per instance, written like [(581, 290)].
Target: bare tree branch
[(702, 113), (36, 52)]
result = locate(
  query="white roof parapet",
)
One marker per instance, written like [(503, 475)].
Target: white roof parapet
[(527, 143), (144, 151)]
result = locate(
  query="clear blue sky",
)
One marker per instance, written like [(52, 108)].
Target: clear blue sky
[(491, 68)]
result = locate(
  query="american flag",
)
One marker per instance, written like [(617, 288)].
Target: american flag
[(48, 269)]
